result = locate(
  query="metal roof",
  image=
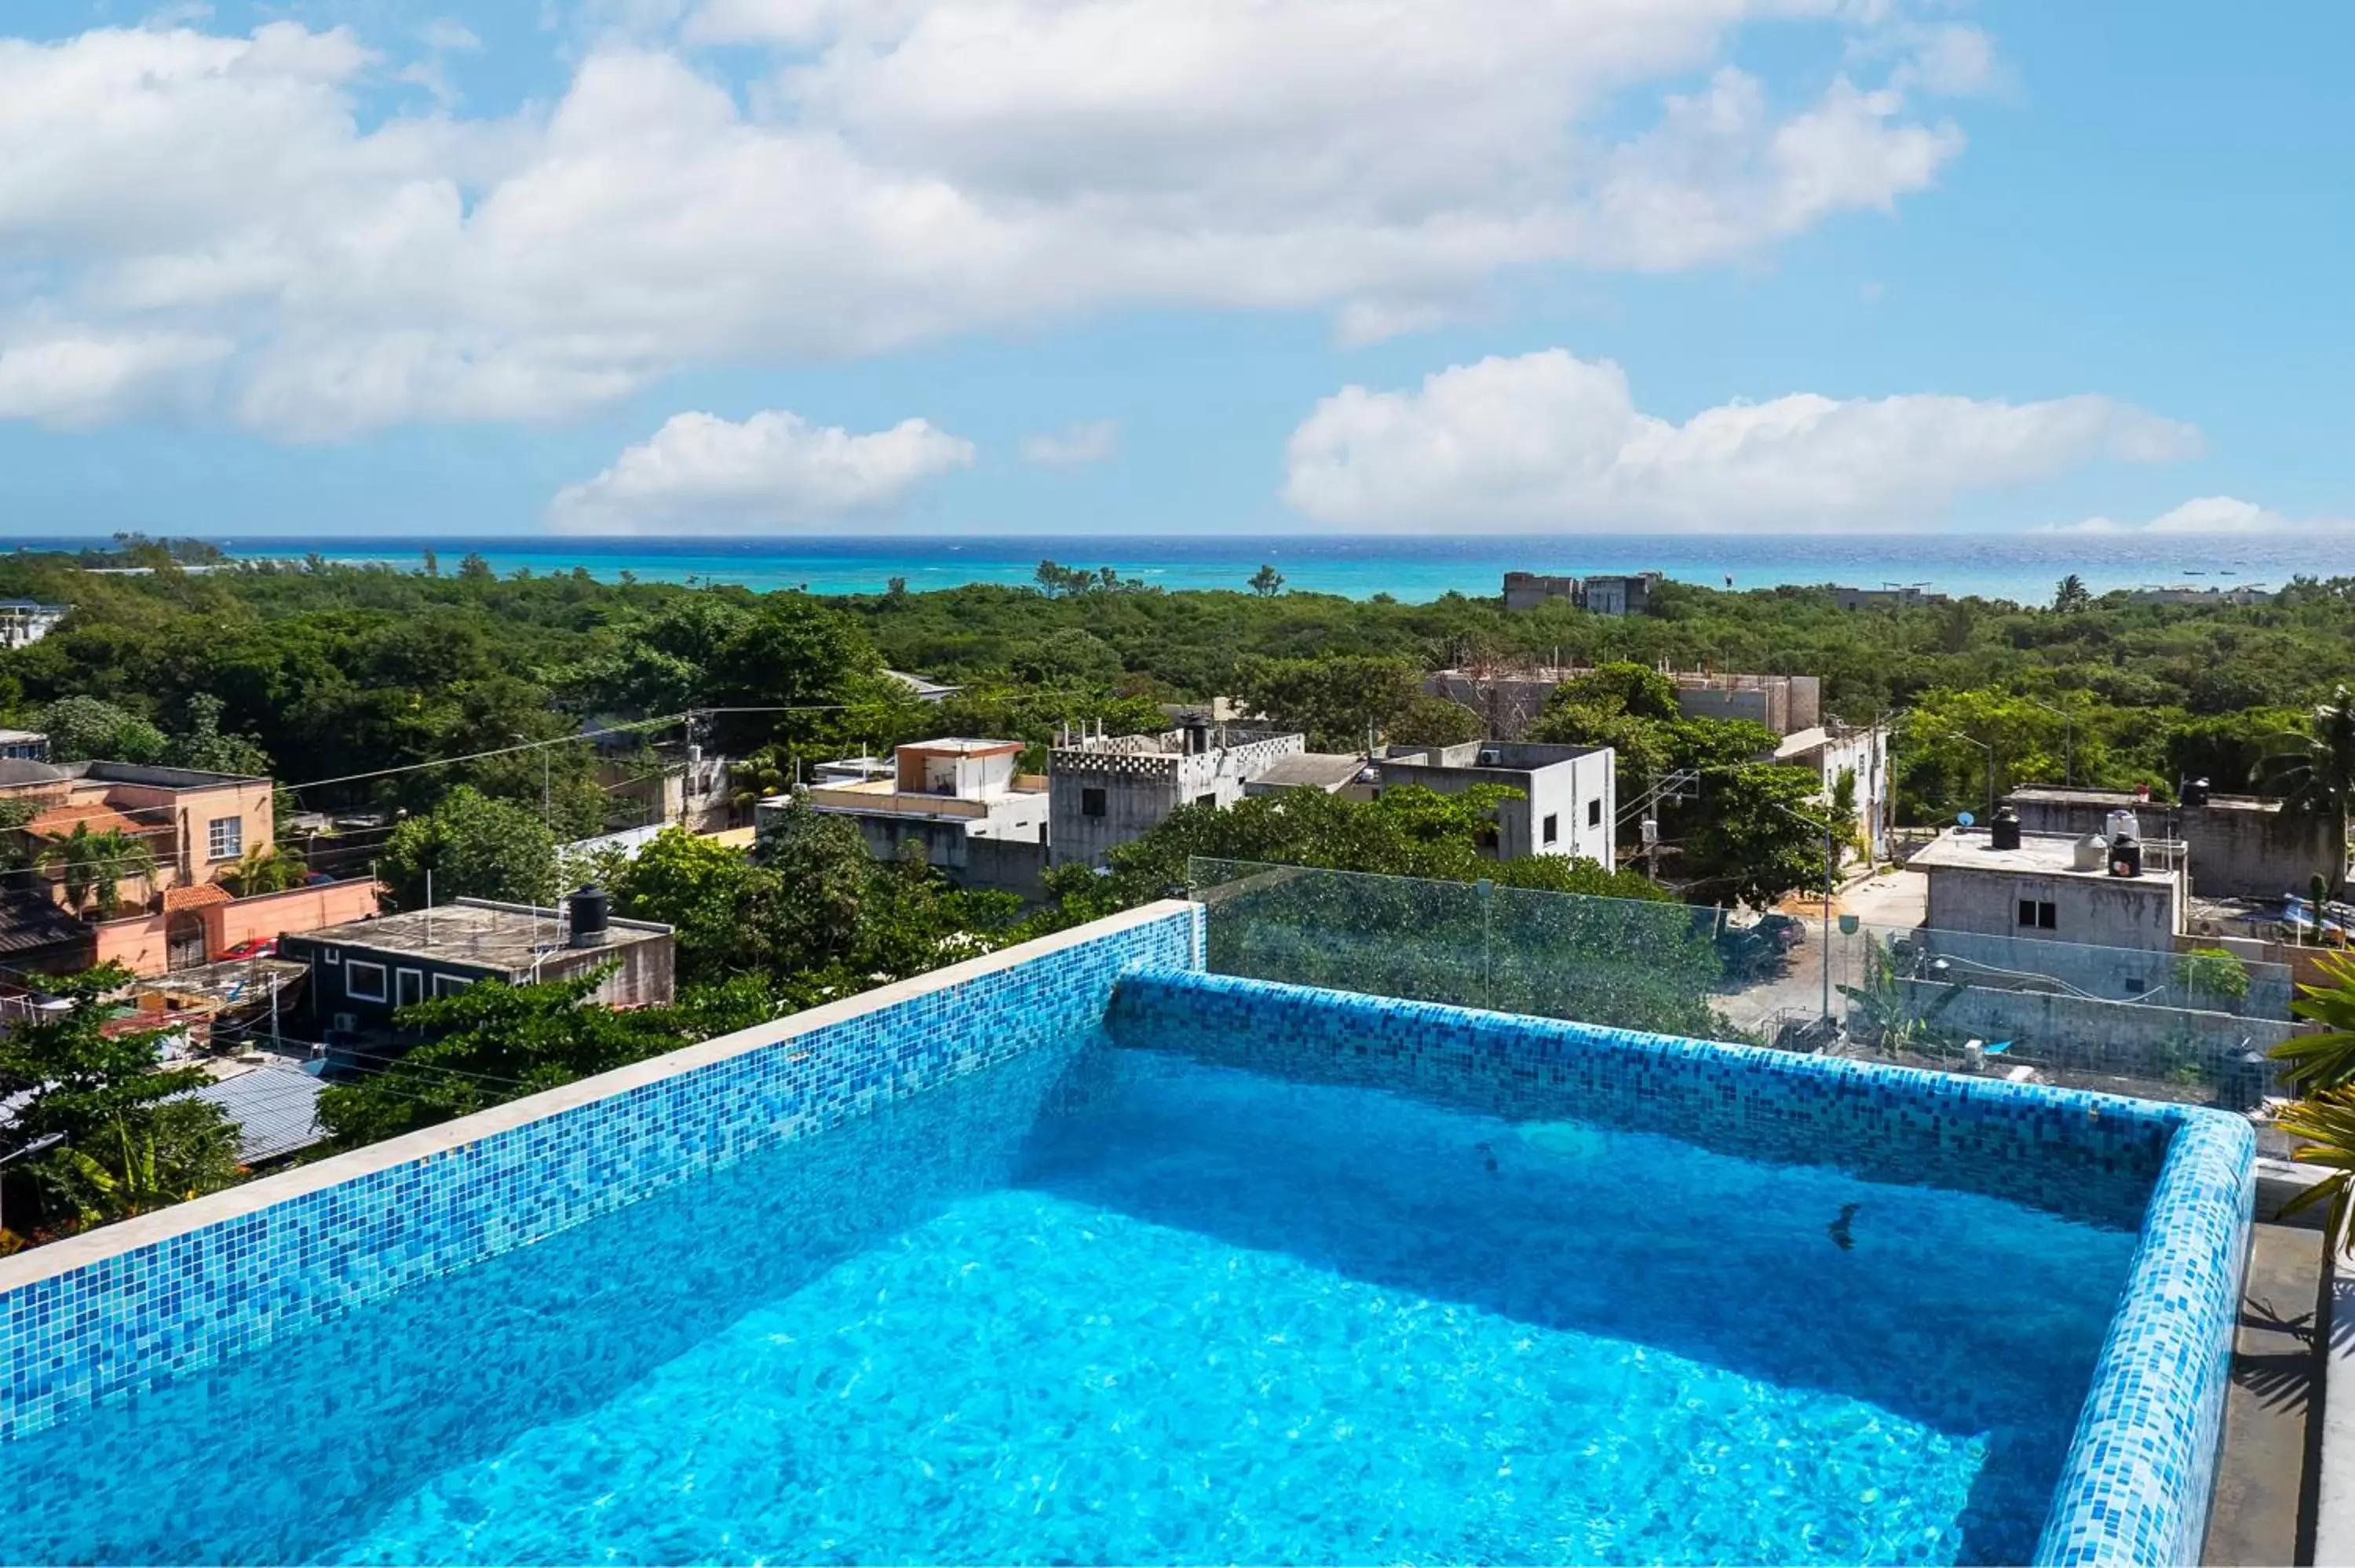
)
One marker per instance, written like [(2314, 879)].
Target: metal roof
[(275, 1107)]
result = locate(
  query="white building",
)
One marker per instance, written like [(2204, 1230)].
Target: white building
[(2058, 887), (1827, 752), (965, 803), (1109, 790), (1569, 795), (24, 620)]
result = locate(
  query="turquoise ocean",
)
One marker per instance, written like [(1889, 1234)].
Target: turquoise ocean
[(2021, 568)]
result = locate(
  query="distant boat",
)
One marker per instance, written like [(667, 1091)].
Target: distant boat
[(2193, 572)]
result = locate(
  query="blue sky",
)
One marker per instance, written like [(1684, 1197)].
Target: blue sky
[(772, 266)]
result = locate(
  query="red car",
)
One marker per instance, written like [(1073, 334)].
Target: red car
[(260, 947)]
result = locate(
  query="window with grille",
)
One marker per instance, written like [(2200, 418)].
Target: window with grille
[(224, 838)]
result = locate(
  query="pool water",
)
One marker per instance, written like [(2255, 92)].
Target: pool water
[(1111, 1304)]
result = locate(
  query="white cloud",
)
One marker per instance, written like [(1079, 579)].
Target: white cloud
[(1095, 440), (1549, 440), (900, 170), (774, 470), (2208, 514), (446, 37), (75, 381)]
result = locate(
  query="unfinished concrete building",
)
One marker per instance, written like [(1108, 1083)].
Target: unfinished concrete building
[(1104, 791)]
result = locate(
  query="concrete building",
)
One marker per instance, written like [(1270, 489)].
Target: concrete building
[(1527, 591), (1829, 750), (362, 971), (1617, 595), (24, 746), (1599, 594), (2056, 887), (197, 825), (1891, 596), (24, 621), (1107, 790), (965, 804), (1568, 802), (2240, 846), (1509, 701)]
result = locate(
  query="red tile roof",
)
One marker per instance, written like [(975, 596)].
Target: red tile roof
[(59, 821), (197, 895)]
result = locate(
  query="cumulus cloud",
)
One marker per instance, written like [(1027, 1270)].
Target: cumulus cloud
[(1095, 440), (2209, 515), (75, 381), (1550, 440), (894, 171), (774, 470)]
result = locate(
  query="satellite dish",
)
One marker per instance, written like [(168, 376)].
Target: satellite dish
[(1963, 819)]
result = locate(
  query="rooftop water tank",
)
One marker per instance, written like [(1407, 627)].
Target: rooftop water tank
[(2121, 823), (2093, 853), (2003, 832), (2126, 856), (591, 912)]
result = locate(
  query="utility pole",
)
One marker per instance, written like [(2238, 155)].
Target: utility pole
[(1831, 880), (2068, 738)]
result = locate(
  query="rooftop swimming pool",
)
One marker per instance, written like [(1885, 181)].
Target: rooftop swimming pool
[(1086, 1257)]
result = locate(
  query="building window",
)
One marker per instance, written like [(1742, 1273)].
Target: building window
[(2038, 914), (1595, 813), (1091, 802), (1552, 828), (1209, 799), (224, 838), (450, 985), (364, 982)]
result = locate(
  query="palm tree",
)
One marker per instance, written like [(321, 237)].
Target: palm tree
[(265, 868), (2315, 770), (2071, 595), (96, 863)]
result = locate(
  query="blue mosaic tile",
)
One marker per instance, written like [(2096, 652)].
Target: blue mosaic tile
[(2140, 1472), (145, 1316)]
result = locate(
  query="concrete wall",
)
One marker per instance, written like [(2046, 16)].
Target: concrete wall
[(1006, 865), (271, 915), (1141, 788), (142, 942), (2078, 1034), (2101, 911), (2240, 847)]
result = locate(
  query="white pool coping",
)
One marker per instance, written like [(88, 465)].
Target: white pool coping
[(63, 1256)]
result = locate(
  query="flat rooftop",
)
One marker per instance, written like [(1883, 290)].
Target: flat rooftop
[(499, 936), (2038, 855), (961, 745), (1326, 770)]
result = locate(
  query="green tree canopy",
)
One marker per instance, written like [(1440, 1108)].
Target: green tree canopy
[(87, 729), (474, 847), (133, 1141)]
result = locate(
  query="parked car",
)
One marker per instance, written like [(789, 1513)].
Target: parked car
[(260, 947)]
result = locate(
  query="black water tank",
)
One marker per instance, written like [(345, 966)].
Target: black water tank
[(2003, 832), (2195, 792), (2126, 856), (591, 912)]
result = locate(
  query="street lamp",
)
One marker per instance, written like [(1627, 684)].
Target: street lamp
[(1982, 746), (1831, 880), (41, 1145), (547, 815), (2068, 735)]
